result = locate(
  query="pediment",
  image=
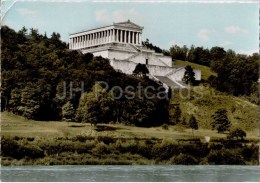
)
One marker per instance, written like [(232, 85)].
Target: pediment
[(128, 24)]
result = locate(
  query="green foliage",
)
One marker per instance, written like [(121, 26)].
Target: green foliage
[(220, 121), (179, 53), (94, 107), (40, 76), (237, 74), (108, 150), (225, 157), (141, 69), (193, 123), (176, 115), (165, 127), (237, 133), (157, 49), (11, 148), (68, 111), (189, 75), (183, 159)]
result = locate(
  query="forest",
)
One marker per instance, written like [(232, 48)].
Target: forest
[(35, 68)]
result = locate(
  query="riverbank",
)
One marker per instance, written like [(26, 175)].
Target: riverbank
[(26, 142), (103, 150)]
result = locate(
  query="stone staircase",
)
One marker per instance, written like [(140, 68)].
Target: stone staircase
[(170, 83), (132, 56)]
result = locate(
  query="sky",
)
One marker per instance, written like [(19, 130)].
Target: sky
[(228, 25)]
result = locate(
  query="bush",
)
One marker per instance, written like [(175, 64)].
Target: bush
[(225, 157), (11, 148), (183, 159), (237, 133), (165, 150), (101, 149), (165, 127)]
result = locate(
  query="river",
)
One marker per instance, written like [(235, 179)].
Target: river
[(130, 173)]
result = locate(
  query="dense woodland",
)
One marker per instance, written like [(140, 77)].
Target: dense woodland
[(35, 67)]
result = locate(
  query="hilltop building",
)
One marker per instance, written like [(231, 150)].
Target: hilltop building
[(121, 43)]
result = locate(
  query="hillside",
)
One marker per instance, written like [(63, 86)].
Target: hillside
[(204, 101), (205, 71), (14, 125)]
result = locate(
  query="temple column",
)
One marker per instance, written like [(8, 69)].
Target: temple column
[(101, 37), (128, 40), (136, 38), (98, 38), (105, 36), (80, 41), (115, 33), (112, 34), (119, 33), (121, 36), (96, 42), (140, 38), (88, 39), (92, 39), (95, 38), (132, 33), (125, 36)]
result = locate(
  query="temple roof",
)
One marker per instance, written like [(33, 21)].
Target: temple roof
[(126, 24)]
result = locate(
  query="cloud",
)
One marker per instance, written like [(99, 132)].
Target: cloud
[(225, 43), (106, 17), (25, 11), (235, 30), (204, 35)]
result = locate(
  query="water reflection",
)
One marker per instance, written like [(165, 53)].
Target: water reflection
[(131, 173)]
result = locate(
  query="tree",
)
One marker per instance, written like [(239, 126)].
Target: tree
[(88, 57), (237, 133), (179, 53), (236, 74), (220, 121), (193, 124), (68, 111), (94, 106), (189, 75), (177, 114), (141, 70)]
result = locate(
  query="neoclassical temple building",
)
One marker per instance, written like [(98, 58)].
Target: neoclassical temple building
[(121, 43)]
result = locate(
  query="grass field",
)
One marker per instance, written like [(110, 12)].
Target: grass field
[(13, 125), (205, 71)]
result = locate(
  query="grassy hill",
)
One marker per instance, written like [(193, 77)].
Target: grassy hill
[(202, 101), (205, 71)]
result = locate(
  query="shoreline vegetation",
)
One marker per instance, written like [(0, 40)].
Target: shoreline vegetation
[(70, 143)]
